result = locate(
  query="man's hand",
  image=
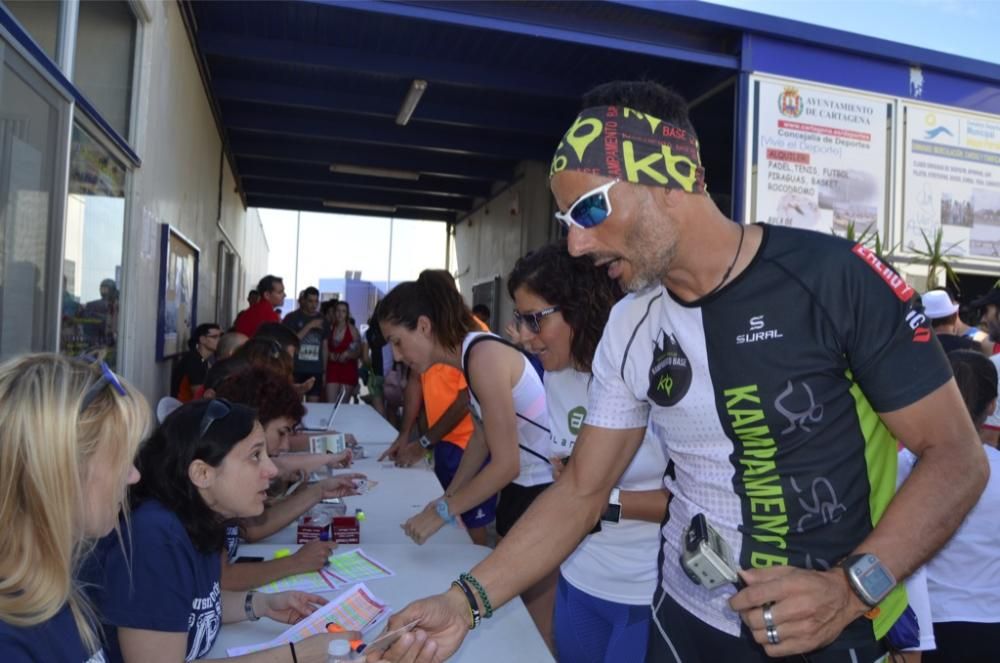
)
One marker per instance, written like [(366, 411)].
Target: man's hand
[(444, 622), (424, 525), (809, 608), (394, 448), (313, 556), (410, 455), (341, 485)]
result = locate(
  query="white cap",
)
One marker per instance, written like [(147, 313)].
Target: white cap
[(338, 648), (165, 407), (938, 304)]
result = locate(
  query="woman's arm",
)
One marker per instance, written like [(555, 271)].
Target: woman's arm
[(312, 556), (308, 462), (646, 505)]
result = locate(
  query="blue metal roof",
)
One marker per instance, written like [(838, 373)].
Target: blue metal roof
[(298, 86)]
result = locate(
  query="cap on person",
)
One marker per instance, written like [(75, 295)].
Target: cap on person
[(938, 304)]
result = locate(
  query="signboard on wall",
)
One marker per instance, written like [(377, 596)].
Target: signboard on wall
[(820, 158), (951, 181)]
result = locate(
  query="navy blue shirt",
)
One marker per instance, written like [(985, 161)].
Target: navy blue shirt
[(57, 640), (173, 587)]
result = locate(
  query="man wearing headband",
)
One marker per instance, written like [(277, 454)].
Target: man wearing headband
[(778, 367)]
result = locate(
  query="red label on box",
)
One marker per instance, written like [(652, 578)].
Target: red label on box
[(306, 533), (346, 529)]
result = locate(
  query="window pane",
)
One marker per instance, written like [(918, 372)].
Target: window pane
[(40, 18), (102, 68), (95, 232), (28, 132)]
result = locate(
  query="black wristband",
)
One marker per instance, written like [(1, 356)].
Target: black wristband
[(471, 598)]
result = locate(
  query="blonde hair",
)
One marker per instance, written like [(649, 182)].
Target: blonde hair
[(46, 448)]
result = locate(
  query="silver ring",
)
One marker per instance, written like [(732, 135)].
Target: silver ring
[(768, 616), (772, 635)]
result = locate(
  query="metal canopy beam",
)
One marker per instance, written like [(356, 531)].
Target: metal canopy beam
[(378, 131), (362, 104), (281, 171), (306, 205), (330, 152), (321, 192), (258, 49)]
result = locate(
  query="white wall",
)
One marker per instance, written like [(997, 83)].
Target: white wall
[(178, 183), (516, 220)]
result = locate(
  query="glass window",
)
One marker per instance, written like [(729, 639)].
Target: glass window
[(29, 136), (95, 235), (102, 66), (40, 18)]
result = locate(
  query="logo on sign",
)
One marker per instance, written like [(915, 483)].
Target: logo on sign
[(790, 102)]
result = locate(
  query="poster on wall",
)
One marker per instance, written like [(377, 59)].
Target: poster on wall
[(821, 158), (951, 181), (178, 294)]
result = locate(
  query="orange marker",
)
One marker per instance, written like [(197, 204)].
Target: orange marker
[(333, 627)]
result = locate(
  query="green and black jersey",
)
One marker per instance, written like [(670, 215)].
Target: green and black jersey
[(765, 395)]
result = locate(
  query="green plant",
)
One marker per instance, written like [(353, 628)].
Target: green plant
[(869, 238), (937, 259)]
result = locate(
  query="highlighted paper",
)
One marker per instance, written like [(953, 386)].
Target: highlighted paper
[(355, 566), (315, 581), (355, 610)]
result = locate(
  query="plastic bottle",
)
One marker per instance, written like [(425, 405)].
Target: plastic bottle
[(338, 651)]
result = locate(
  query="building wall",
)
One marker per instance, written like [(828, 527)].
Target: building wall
[(516, 220), (178, 184)]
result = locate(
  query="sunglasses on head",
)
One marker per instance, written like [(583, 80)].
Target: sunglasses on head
[(533, 320), (218, 408), (590, 209), (108, 378)]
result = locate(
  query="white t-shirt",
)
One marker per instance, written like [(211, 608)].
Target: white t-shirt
[(618, 563), (964, 577), (916, 584), (532, 421)]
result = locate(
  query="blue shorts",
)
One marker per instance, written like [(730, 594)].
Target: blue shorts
[(592, 630), (447, 456)]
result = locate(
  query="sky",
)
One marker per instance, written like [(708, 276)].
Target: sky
[(962, 27)]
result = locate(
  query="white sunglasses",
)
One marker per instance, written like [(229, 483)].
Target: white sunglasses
[(590, 209)]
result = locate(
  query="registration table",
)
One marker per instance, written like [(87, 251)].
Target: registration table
[(400, 494), (509, 635), (364, 423)]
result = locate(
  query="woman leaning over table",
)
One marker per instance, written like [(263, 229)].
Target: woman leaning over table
[(68, 434), (159, 598), (561, 305)]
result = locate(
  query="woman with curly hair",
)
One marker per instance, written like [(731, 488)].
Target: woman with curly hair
[(279, 409), (561, 305)]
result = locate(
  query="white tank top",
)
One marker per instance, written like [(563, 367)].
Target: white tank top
[(532, 419)]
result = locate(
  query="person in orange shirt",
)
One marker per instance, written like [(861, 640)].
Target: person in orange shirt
[(443, 393)]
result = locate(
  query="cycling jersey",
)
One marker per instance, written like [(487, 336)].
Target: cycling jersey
[(765, 394)]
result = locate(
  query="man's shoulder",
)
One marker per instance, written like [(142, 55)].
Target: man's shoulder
[(634, 308)]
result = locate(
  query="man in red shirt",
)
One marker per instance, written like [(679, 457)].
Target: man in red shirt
[(272, 295)]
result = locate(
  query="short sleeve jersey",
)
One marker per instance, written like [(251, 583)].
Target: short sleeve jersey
[(171, 587), (250, 320), (58, 639), (190, 371), (309, 358), (765, 394)]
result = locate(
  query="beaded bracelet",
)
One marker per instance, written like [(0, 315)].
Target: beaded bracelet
[(469, 578), (471, 598)]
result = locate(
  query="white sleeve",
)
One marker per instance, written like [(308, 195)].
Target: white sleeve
[(920, 601), (611, 403)]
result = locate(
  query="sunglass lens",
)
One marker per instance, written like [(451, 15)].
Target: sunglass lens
[(591, 211)]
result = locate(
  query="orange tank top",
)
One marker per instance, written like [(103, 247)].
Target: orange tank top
[(441, 384)]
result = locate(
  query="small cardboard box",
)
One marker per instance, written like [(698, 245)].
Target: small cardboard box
[(346, 529)]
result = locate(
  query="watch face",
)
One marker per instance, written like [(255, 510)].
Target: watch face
[(613, 513), (876, 581)]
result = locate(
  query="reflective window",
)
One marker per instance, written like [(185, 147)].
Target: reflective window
[(102, 67), (92, 263), (29, 132), (40, 18)]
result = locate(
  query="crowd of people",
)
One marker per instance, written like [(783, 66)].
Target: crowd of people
[(701, 441)]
